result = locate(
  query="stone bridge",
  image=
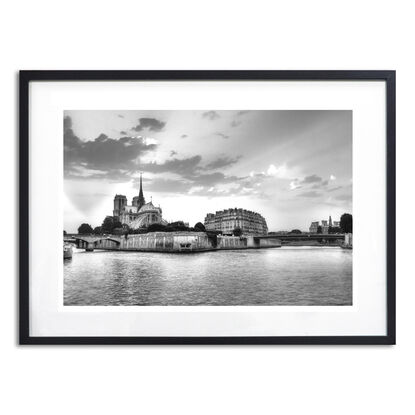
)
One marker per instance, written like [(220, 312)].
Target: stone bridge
[(89, 243), (305, 236)]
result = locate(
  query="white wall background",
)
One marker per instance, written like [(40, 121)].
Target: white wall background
[(209, 35)]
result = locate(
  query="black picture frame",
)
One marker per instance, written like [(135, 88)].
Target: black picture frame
[(27, 76)]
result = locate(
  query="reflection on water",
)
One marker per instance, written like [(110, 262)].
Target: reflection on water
[(282, 276)]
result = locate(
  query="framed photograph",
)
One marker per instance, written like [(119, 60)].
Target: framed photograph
[(207, 207)]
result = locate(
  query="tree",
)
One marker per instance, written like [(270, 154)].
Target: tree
[(237, 231), (296, 231), (85, 228), (119, 231), (199, 227), (64, 233), (97, 230), (346, 223), (157, 227), (319, 229), (109, 224), (178, 226)]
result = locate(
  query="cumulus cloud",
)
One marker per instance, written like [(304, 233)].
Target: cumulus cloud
[(150, 124), (280, 171), (320, 185), (311, 179), (210, 115), (295, 184), (316, 181), (102, 154)]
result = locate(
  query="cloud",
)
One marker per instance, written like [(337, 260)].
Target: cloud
[(173, 153), (123, 133), (274, 171), (120, 116), (211, 115), (311, 193), (103, 155), (311, 179), (150, 124), (222, 163), (320, 185), (224, 136), (344, 198), (280, 172), (211, 179), (295, 184), (185, 166), (332, 177), (333, 189), (317, 180), (236, 122), (210, 184), (168, 185), (184, 136)]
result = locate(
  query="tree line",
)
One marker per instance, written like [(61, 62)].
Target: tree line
[(111, 225)]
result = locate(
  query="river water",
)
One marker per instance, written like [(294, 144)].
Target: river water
[(277, 276)]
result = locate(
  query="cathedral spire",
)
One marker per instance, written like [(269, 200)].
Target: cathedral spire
[(141, 186), (141, 200)]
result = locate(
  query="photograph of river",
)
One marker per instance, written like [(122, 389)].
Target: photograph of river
[(208, 208)]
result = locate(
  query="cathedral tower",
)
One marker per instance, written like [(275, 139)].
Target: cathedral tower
[(119, 202)]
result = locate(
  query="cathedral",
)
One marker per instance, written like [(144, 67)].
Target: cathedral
[(139, 214)]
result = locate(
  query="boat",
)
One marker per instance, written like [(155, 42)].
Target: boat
[(67, 251)]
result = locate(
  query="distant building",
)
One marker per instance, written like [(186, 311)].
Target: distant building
[(225, 221), (314, 227), (325, 225), (138, 215)]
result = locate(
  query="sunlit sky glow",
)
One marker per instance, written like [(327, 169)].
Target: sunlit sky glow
[(293, 167)]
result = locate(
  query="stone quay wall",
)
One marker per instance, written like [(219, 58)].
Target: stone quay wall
[(160, 241), (179, 242)]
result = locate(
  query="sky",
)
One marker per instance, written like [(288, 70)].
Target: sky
[(292, 167)]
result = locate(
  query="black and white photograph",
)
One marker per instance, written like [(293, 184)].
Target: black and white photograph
[(207, 207)]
